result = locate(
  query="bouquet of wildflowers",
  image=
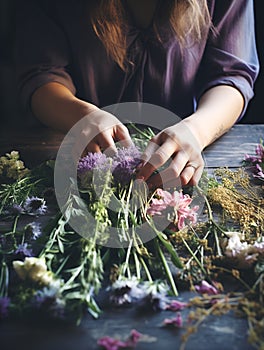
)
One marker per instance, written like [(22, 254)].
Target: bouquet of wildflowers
[(48, 267)]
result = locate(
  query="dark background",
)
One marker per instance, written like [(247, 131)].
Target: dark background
[(9, 111)]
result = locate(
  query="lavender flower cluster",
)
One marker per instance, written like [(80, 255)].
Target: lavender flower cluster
[(122, 165)]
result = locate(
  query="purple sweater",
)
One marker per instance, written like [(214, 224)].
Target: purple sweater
[(55, 42)]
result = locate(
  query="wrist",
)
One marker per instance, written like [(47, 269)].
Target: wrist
[(194, 127)]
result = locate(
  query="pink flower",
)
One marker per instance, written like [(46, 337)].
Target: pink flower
[(176, 305), (175, 321), (109, 343), (178, 201), (207, 288)]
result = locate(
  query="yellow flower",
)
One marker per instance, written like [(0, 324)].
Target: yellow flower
[(34, 269)]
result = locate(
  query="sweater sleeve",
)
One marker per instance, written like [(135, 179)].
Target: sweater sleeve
[(230, 56), (41, 53)]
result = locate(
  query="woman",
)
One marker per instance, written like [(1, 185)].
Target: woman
[(196, 58)]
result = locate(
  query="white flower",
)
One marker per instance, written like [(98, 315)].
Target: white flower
[(234, 245), (34, 269), (244, 253)]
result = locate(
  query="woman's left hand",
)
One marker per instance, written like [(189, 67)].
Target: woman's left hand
[(177, 144)]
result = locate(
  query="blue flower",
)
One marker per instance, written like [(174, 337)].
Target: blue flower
[(23, 250), (4, 305), (49, 300), (35, 206), (33, 230)]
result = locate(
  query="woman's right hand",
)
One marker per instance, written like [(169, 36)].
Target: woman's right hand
[(98, 132)]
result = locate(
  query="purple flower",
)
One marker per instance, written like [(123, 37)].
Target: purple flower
[(33, 230), (4, 305), (125, 162), (23, 250), (206, 288), (175, 321), (176, 305), (49, 300), (259, 172), (90, 162), (35, 206)]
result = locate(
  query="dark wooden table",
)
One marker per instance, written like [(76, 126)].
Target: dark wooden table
[(226, 332)]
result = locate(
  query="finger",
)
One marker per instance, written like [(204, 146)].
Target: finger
[(106, 142), (158, 181), (157, 159), (92, 147), (188, 173), (197, 176), (123, 137), (151, 148)]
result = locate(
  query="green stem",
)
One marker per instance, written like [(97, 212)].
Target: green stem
[(146, 269), (193, 255), (167, 269)]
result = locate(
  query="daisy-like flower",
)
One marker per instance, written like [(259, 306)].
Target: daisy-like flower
[(174, 321), (35, 206), (23, 250), (124, 165), (206, 288), (125, 291), (4, 305), (179, 202)]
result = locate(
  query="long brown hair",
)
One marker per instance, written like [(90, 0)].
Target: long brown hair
[(188, 19)]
